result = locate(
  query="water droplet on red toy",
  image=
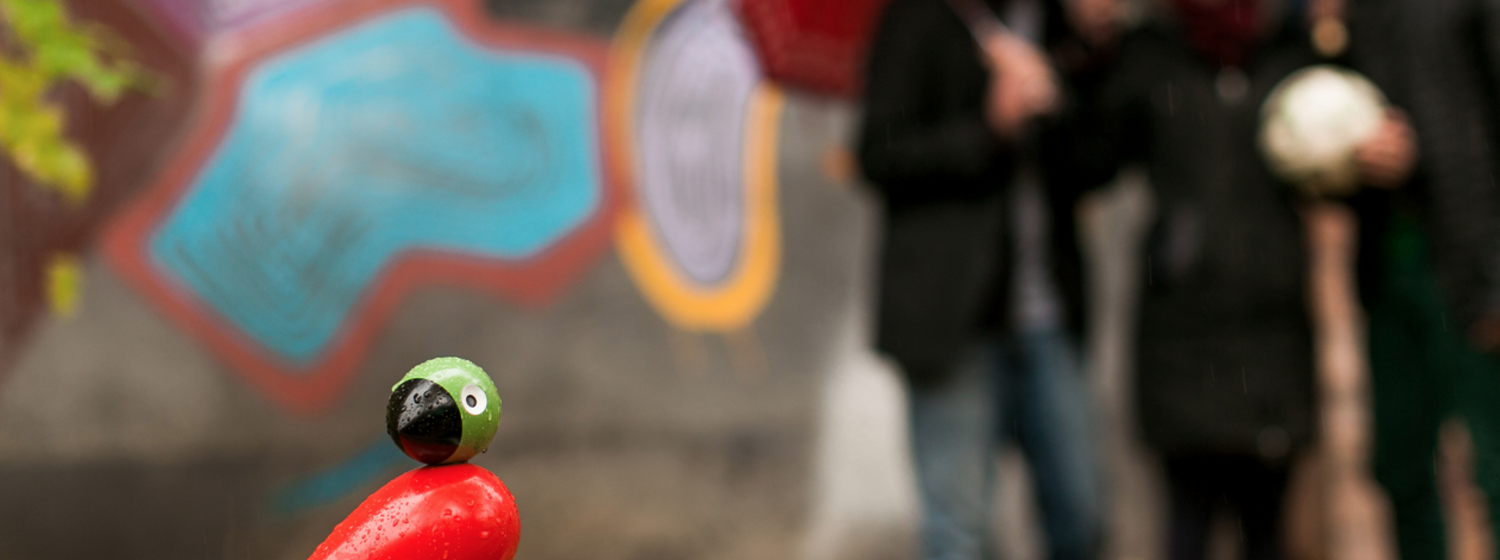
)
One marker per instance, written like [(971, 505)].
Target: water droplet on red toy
[(425, 501)]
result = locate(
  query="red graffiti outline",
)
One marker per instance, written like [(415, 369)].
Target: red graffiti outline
[(313, 388)]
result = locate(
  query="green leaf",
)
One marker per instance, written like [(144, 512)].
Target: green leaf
[(40, 48)]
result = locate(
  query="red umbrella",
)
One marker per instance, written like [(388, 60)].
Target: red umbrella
[(818, 45)]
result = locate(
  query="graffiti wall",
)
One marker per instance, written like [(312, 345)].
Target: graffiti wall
[(349, 161), (697, 129), (605, 204), (637, 215)]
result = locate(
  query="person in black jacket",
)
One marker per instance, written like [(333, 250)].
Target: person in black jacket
[(1224, 349), (979, 299), (1429, 251)]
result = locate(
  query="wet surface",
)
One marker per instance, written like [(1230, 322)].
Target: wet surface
[(126, 510)]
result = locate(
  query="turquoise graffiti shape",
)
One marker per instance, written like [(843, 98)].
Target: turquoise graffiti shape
[(389, 136)]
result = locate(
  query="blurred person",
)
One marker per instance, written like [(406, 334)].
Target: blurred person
[(1224, 349), (980, 294), (1429, 248)]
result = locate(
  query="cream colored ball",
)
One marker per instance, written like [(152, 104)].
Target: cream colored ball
[(1312, 123)]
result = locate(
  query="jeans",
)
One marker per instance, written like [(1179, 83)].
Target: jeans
[(1026, 386)]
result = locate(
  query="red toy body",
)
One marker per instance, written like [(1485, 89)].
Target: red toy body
[(450, 512)]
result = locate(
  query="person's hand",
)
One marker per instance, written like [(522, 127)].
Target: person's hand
[(1486, 334), (1387, 158), (1096, 21), (1022, 85)]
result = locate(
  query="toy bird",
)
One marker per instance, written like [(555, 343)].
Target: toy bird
[(442, 413)]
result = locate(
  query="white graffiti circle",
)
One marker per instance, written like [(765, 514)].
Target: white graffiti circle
[(697, 77)]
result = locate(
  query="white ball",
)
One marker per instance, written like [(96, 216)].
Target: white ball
[(1313, 121)]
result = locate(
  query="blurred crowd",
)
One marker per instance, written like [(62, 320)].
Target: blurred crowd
[(984, 123)]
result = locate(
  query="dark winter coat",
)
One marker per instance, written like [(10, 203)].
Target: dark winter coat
[(1224, 360), (942, 177), (1439, 61)]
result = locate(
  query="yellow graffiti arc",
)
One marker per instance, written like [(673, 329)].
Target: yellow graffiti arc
[(734, 303)]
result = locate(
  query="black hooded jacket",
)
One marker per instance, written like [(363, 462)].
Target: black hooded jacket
[(942, 176), (1224, 350), (1439, 61)]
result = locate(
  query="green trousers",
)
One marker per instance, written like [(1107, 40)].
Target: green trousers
[(1423, 372)]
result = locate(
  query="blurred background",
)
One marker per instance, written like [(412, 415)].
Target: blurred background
[(227, 227)]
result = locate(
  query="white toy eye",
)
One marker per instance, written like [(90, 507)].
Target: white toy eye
[(473, 399)]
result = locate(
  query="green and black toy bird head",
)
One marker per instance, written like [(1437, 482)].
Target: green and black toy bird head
[(444, 411)]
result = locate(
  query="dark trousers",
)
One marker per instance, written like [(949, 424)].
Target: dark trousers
[(1200, 487), (1422, 372)]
